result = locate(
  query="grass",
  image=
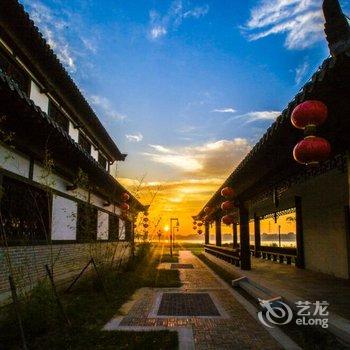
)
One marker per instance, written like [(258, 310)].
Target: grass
[(88, 310), (167, 258)]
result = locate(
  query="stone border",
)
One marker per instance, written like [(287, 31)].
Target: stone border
[(158, 299)]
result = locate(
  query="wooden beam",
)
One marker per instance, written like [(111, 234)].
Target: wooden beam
[(257, 237), (244, 238), (235, 235), (300, 262), (206, 232), (218, 231)]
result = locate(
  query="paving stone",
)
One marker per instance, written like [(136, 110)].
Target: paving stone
[(239, 330)]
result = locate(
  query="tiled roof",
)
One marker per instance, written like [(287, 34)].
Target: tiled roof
[(73, 149), (16, 23)]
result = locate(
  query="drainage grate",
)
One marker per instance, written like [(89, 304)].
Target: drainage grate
[(187, 304), (181, 266)]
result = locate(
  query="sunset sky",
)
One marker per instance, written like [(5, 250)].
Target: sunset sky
[(184, 87)]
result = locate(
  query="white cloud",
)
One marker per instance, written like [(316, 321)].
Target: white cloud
[(106, 107), (160, 25), (301, 21), (210, 159), (224, 110), (161, 149), (301, 71), (197, 12), (60, 28), (157, 32), (134, 138), (52, 28), (251, 117)]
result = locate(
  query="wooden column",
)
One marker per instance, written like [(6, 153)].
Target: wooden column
[(244, 238), (218, 231), (299, 233), (257, 238), (206, 233), (235, 236)]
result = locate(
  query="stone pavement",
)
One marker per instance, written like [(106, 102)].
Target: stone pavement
[(231, 326)]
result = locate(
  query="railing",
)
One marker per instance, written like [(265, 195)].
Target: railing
[(228, 254), (280, 254)]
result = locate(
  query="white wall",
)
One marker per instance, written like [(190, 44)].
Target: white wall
[(64, 218), (121, 229), (102, 225), (94, 153), (12, 161), (73, 132), (113, 169), (38, 98)]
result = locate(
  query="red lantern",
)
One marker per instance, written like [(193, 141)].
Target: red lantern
[(194, 223), (310, 112), (312, 150), (145, 213), (125, 197), (228, 205), (195, 227), (227, 192), (228, 219), (199, 232), (124, 206), (208, 210), (199, 224), (145, 219), (145, 225)]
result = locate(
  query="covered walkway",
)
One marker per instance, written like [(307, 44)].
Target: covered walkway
[(294, 284)]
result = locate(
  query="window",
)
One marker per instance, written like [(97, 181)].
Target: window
[(11, 68), (113, 227), (86, 223), (121, 232), (84, 142), (24, 212), (58, 116), (102, 160)]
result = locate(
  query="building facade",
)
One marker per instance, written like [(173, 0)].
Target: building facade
[(269, 183), (60, 201)]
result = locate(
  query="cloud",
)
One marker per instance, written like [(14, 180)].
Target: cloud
[(67, 33), (161, 149), (300, 20), (160, 25), (134, 138), (225, 110), (106, 108), (173, 198), (210, 159), (301, 71), (197, 12), (157, 32), (251, 117), (52, 27)]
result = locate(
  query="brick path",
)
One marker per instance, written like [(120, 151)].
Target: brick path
[(234, 329)]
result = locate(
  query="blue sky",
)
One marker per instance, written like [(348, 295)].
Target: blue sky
[(185, 87)]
